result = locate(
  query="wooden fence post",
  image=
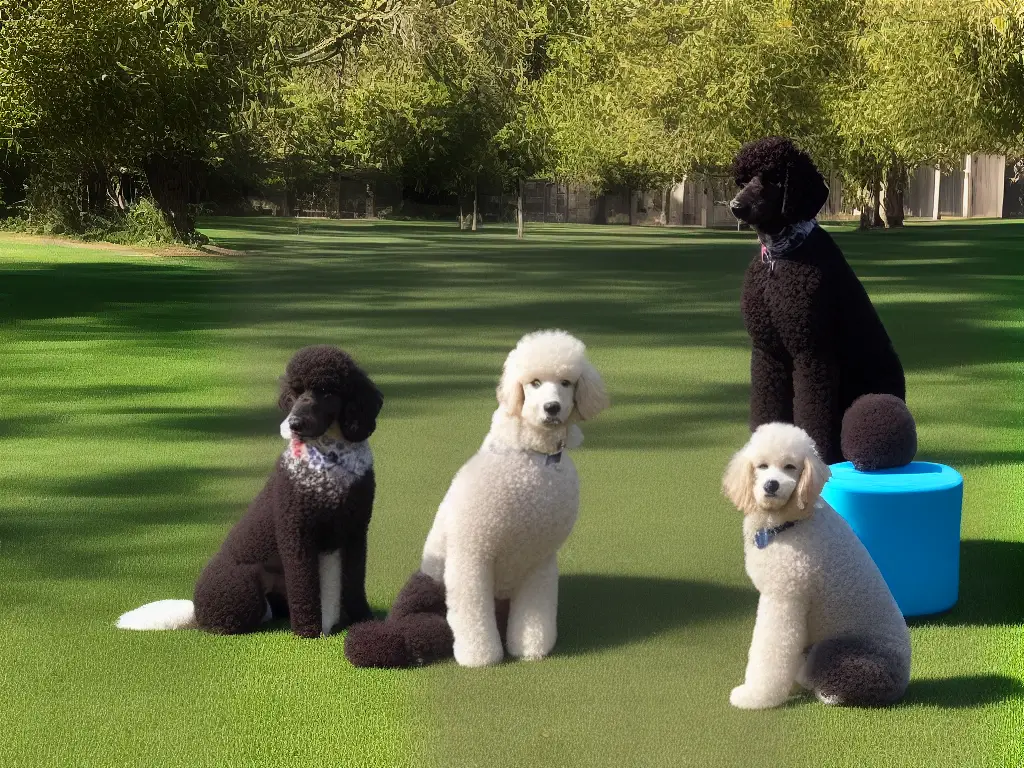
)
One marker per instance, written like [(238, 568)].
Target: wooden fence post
[(968, 186)]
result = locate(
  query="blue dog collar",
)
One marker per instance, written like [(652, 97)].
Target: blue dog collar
[(764, 536)]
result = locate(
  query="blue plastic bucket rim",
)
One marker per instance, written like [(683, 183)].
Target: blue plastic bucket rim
[(915, 477)]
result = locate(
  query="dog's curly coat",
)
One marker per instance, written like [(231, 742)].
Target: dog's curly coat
[(825, 618), (496, 536), (817, 341), (300, 549)]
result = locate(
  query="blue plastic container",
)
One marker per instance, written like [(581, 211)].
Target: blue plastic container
[(908, 518)]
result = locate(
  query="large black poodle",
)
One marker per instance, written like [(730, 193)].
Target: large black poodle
[(300, 550), (818, 343)]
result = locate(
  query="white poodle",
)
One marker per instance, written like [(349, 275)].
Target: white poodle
[(825, 619), (498, 530)]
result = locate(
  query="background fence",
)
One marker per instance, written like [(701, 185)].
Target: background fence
[(984, 186)]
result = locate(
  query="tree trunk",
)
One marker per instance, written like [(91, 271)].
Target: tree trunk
[(168, 177), (371, 209), (894, 189), (462, 219), (288, 204), (519, 209), (474, 206), (870, 216), (663, 218), (96, 190)]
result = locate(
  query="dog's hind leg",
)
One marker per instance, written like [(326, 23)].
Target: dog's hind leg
[(229, 598), (855, 671)]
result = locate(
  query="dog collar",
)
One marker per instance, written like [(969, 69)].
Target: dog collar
[(553, 458), (764, 536), (777, 246)]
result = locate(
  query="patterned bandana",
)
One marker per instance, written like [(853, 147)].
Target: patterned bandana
[(778, 245), (330, 452)]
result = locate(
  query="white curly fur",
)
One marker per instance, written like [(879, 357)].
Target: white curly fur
[(509, 509), (816, 580)]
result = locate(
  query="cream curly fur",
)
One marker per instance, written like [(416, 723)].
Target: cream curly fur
[(509, 509), (816, 580)]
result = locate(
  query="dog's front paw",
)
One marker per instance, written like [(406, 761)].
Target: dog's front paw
[(308, 632), (530, 646), (478, 654), (746, 697)]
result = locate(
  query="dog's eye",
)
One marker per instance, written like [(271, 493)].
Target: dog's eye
[(535, 383), (790, 466), (762, 466), (566, 383)]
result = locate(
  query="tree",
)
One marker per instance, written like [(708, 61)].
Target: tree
[(155, 85), (930, 81), (652, 92)]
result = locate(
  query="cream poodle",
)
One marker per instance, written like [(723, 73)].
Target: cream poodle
[(498, 529), (825, 619)]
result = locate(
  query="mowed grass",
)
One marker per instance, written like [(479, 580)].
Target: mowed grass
[(138, 420)]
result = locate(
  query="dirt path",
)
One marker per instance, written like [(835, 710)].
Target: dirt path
[(178, 251)]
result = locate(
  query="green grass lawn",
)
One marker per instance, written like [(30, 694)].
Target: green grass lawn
[(137, 416)]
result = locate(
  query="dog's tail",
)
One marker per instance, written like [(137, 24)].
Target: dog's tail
[(163, 614), (415, 633)]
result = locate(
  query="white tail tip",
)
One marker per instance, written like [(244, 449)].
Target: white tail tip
[(163, 614)]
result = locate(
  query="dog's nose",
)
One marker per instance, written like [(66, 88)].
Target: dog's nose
[(738, 209), (294, 423), (771, 486), (552, 408)]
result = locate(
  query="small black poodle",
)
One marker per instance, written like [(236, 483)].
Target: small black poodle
[(818, 343), (300, 549)]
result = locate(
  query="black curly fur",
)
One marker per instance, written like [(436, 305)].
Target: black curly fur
[(326, 370), (782, 185), (416, 632), (818, 343), (272, 554), (879, 433), (856, 672)]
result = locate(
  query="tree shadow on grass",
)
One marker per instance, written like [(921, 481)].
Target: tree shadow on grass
[(964, 692), (991, 587), (959, 458), (600, 611)]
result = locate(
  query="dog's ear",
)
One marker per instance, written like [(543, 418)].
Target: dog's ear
[(738, 482), (590, 396), (359, 414), (510, 392), (813, 478), (286, 397), (804, 192)]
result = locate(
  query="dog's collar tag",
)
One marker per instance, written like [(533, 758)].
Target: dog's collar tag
[(554, 458), (764, 536)]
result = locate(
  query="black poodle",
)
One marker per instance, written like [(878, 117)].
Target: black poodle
[(818, 343), (300, 550)]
